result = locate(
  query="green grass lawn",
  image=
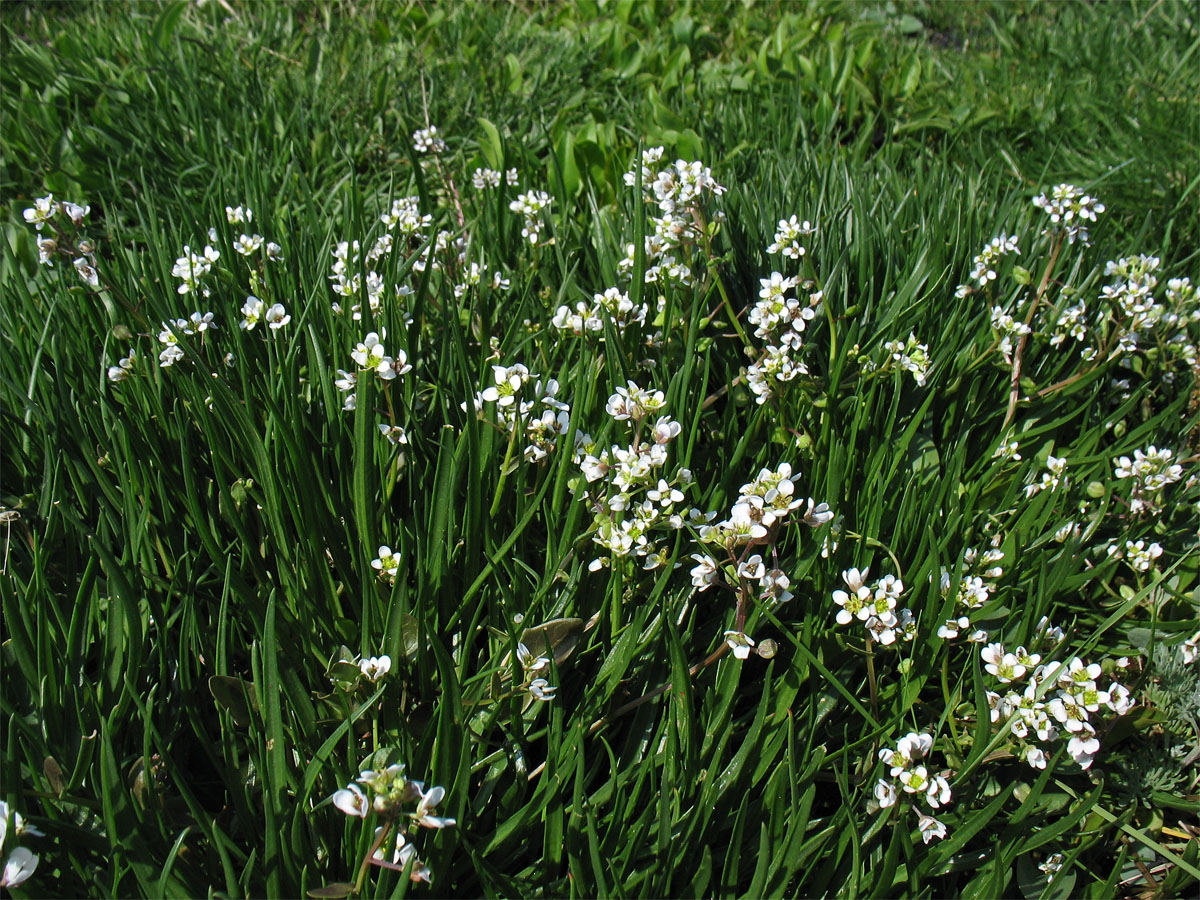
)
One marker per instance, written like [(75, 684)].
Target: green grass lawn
[(608, 449)]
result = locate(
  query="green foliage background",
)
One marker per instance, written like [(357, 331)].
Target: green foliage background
[(224, 527)]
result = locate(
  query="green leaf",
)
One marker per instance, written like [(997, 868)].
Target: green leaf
[(333, 891), (236, 696), (492, 147), (167, 23), (558, 636)]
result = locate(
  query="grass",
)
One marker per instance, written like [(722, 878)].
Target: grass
[(189, 551)]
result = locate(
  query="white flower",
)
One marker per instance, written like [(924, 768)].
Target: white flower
[(426, 805), (75, 212), (19, 866), (248, 243), (345, 381), (938, 792), (740, 643), (752, 569), (170, 355), (1083, 748), (930, 828), (885, 793), (1005, 666), (856, 600), (387, 564), (529, 662), (1052, 864), (41, 212), (47, 247), (1034, 757), (87, 272), (352, 801), (375, 667), (741, 526), (508, 382), (370, 356), (1008, 450), (394, 433), (915, 780), (123, 369), (542, 689), (704, 575), (252, 312), (277, 316), (775, 588), (238, 215)]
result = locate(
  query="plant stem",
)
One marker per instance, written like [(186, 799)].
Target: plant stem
[(508, 454), (1014, 388), (361, 880)]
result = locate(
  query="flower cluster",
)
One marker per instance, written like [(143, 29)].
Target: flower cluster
[(761, 508), (168, 336), (404, 218), (427, 140), (788, 235), (780, 318), (248, 244), (1051, 479), (20, 863), (632, 499), (680, 191), (912, 779), (533, 668), (613, 304), (1056, 703), (678, 188), (1137, 554), (371, 356), (907, 356), (875, 606), (533, 410), (973, 591), (64, 219), (382, 790), (983, 270), (489, 179), (779, 321), (1150, 471), (1008, 328), (762, 504), (1143, 322), (255, 311), (191, 267), (1070, 210), (473, 277), (531, 205), (355, 275)]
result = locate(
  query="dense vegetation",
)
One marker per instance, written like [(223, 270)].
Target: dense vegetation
[(741, 450)]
